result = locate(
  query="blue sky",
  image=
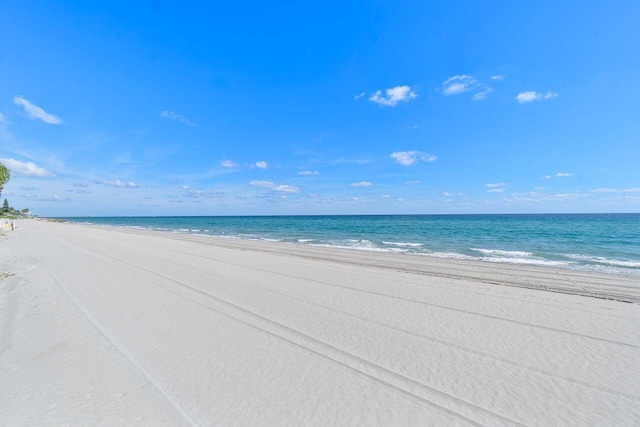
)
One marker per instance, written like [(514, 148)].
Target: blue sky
[(290, 107)]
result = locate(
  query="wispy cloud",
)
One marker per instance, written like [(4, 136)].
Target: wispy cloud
[(393, 96), (286, 189), (264, 184), (495, 190), (359, 96), (465, 83), (174, 116), (260, 165), (482, 94), (117, 183), (497, 77), (458, 84), (35, 112), (616, 190), (279, 188), (228, 164), (361, 184), (307, 173), (54, 198), (497, 184), (531, 96), (407, 158), (25, 168), (192, 192), (563, 174), (413, 182)]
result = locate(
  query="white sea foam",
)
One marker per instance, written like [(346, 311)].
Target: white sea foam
[(306, 240), (528, 261), (501, 253), (451, 255), (360, 245), (603, 260), (508, 259), (403, 244)]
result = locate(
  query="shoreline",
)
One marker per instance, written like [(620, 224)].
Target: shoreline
[(614, 286), (136, 327), (377, 234)]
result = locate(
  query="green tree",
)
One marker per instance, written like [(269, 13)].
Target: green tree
[(5, 174), (5, 206)]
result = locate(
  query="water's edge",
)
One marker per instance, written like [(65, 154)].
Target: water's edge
[(606, 243)]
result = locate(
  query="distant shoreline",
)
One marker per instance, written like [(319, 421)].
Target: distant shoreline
[(600, 243)]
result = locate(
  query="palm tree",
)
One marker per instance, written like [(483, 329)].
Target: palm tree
[(5, 174)]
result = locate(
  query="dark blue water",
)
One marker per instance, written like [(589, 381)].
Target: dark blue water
[(596, 242)]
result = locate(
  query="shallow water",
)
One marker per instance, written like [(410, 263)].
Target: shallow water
[(608, 243)]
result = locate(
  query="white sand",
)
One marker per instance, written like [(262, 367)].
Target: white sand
[(128, 327)]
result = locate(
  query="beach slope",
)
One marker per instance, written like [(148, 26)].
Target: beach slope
[(118, 326)]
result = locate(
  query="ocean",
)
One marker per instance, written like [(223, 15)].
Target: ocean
[(606, 243)]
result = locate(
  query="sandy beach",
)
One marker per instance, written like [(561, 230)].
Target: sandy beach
[(114, 326)]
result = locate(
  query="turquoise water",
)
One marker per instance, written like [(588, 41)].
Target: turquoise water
[(608, 243)]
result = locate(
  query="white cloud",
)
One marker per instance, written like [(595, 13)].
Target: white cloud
[(616, 190), (309, 173), (117, 183), (497, 77), (531, 95), (174, 116), (280, 188), (546, 177), (193, 193), (2, 119), (497, 184), (25, 168), (35, 112), (413, 182), (286, 189), (458, 84), (481, 95), (359, 96), (263, 184), (407, 158), (563, 174), (261, 164), (228, 164), (54, 198), (361, 184), (495, 190), (393, 96), (464, 83)]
